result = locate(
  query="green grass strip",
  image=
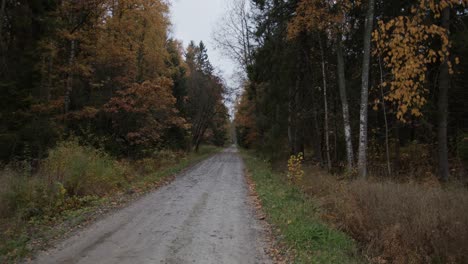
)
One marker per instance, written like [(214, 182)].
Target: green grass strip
[(297, 218)]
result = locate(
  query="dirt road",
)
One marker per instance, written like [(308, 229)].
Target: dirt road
[(202, 217)]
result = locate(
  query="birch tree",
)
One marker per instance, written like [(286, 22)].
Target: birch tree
[(331, 18), (363, 116)]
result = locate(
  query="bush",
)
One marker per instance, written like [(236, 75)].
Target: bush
[(398, 222), (83, 170), (295, 172), (27, 196), (71, 172)]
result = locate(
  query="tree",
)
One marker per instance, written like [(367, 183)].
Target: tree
[(444, 85), (406, 43), (246, 129), (204, 92), (136, 122), (234, 34), (330, 17), (363, 116)]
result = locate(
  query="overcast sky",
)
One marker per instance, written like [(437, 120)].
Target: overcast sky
[(195, 20)]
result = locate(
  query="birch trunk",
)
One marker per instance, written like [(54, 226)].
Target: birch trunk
[(344, 104), (362, 153)]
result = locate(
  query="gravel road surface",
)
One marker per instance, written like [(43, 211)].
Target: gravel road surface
[(204, 216)]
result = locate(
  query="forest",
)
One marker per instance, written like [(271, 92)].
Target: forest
[(356, 84), (372, 93), (350, 112), (104, 71)]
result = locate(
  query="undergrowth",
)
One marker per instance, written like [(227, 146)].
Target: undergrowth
[(396, 222), (296, 218), (73, 181)]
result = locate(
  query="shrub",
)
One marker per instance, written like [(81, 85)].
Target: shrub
[(71, 172), (295, 172), (83, 170), (27, 196), (156, 161)]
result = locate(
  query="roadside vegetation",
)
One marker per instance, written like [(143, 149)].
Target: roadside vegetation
[(296, 218), (326, 218), (72, 186), (395, 222)]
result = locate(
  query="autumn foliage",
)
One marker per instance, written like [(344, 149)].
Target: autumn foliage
[(103, 70), (245, 121), (408, 44), (136, 120)]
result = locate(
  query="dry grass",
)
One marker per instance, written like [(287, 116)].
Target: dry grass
[(396, 222), (70, 187)]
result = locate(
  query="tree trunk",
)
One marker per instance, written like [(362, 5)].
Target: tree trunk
[(387, 149), (298, 131), (362, 155), (325, 105), (291, 120), (2, 15), (2, 43), (396, 159), (298, 96), (444, 84), (316, 137), (344, 103), (69, 87)]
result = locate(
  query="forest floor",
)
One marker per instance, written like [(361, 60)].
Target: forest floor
[(203, 216)]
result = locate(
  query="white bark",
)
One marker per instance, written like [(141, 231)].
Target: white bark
[(344, 104), (362, 153)]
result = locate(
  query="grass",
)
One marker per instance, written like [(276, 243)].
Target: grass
[(296, 218), (72, 187), (396, 222)]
